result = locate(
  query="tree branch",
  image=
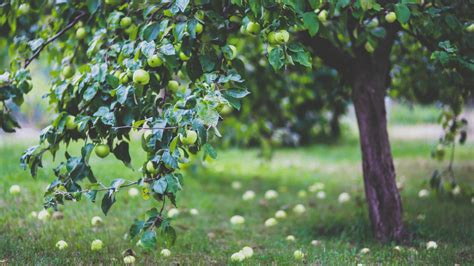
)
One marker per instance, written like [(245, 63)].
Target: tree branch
[(59, 34), (327, 51)]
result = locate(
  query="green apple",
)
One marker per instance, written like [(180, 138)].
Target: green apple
[(102, 150), (118, 73), (391, 17), (150, 168), (112, 2), (183, 56), (81, 33), (253, 28), (68, 71), (24, 9), (71, 122), (235, 19), (141, 77), (369, 48), (173, 85), (271, 38), (282, 36), (233, 53), (323, 16), (123, 78), (373, 23), (470, 28), (154, 61), (125, 22), (199, 28), (190, 138)]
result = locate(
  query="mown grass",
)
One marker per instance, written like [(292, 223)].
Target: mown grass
[(209, 237)]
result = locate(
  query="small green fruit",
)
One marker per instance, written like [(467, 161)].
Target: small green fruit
[(271, 38), (190, 138), (124, 78), (199, 28), (70, 122), (141, 77), (183, 56), (112, 2), (150, 168), (282, 36), (173, 86), (373, 23), (470, 28), (391, 17), (102, 150), (369, 48), (24, 9), (235, 19), (125, 22), (68, 71), (253, 28), (81, 33), (323, 16), (233, 53), (154, 61)]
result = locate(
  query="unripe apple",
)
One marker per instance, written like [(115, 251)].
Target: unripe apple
[(68, 71), (102, 150), (141, 77), (373, 23), (369, 48), (282, 36), (154, 61), (391, 17), (123, 78), (117, 73), (112, 2), (125, 22), (80, 33), (199, 28), (470, 28), (235, 19), (96, 245), (173, 85), (24, 9), (253, 28), (323, 16), (190, 138), (150, 168), (183, 56), (70, 122), (271, 38), (233, 52)]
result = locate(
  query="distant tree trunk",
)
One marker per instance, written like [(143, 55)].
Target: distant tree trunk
[(334, 125), (383, 197)]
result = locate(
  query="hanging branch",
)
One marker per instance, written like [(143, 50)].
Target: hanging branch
[(50, 40)]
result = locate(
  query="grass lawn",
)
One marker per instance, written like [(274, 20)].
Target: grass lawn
[(209, 238)]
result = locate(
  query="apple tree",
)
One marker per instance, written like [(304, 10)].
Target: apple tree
[(166, 69)]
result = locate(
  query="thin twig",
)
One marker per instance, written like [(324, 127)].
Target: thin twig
[(59, 34), (145, 128)]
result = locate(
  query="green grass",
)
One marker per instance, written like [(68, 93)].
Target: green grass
[(210, 239), (405, 114)]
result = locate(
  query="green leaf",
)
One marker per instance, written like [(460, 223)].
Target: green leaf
[(237, 93), (121, 152), (311, 23), (169, 235), (276, 58), (93, 5), (148, 239), (151, 31), (209, 150), (107, 201), (135, 228), (403, 13)]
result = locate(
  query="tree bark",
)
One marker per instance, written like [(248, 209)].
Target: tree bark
[(383, 197)]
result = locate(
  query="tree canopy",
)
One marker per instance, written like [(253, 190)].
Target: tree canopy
[(169, 68)]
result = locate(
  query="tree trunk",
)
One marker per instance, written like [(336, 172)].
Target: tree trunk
[(383, 197), (334, 123)]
